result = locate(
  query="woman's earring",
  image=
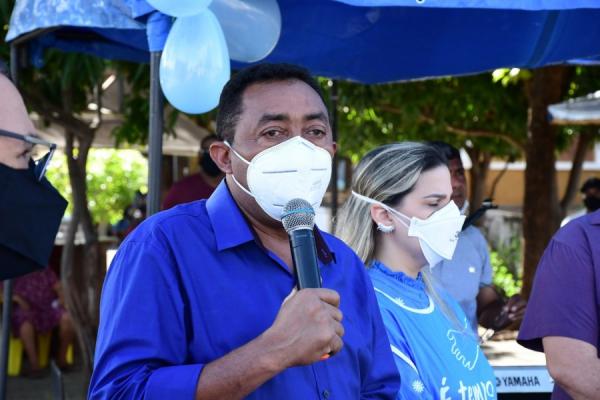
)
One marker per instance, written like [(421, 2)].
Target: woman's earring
[(385, 228)]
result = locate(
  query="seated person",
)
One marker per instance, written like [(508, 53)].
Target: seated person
[(39, 308)]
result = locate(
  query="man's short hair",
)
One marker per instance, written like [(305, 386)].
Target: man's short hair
[(590, 183), (206, 139), (230, 103), (449, 151), (4, 70)]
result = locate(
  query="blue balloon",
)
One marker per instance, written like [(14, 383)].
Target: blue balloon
[(179, 8), (252, 27), (194, 65)]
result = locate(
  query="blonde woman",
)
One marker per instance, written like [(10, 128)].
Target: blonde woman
[(401, 222)]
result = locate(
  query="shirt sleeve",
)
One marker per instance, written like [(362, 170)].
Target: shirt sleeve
[(562, 301), (486, 267), (143, 333), (382, 380), (411, 386)]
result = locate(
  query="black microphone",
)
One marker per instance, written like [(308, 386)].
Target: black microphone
[(298, 220)]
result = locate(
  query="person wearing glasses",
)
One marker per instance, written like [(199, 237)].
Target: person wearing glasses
[(30, 208)]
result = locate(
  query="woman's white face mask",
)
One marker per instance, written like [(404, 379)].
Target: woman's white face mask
[(292, 169), (438, 234)]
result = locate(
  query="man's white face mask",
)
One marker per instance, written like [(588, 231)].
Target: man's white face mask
[(438, 234), (292, 169)]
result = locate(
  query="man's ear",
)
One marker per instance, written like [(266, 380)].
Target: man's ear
[(221, 155), (381, 216)]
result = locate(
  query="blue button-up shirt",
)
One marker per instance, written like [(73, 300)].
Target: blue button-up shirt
[(193, 283)]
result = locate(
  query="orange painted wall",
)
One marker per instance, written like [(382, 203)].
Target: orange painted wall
[(510, 189)]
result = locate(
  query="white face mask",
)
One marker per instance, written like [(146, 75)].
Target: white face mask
[(438, 234), (292, 169)]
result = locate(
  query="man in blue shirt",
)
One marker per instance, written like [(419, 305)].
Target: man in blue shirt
[(198, 302), (468, 275)]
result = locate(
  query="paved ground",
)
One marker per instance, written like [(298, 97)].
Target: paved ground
[(19, 388), (502, 352)]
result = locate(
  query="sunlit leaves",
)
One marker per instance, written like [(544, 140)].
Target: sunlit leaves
[(112, 177)]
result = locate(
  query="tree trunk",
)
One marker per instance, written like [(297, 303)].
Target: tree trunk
[(492, 192), (480, 160), (81, 281), (541, 213), (586, 137)]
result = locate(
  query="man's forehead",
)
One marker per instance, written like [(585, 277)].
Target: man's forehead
[(13, 114), (282, 97), (455, 163), (593, 191)]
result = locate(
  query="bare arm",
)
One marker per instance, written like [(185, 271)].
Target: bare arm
[(307, 327), (493, 313), (574, 365), (489, 305)]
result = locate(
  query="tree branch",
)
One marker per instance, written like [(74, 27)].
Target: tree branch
[(459, 131), (58, 116), (480, 133), (498, 177)]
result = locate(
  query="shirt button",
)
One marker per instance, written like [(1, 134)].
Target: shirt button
[(325, 394)]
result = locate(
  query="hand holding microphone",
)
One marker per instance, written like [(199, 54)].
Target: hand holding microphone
[(309, 320)]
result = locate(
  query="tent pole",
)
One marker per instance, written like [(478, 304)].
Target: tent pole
[(6, 313), (155, 139), (334, 172), (8, 285)]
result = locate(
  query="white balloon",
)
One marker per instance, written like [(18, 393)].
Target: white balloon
[(194, 65), (252, 27)]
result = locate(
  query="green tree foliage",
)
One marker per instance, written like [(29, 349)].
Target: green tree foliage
[(507, 266), (113, 176), (472, 110)]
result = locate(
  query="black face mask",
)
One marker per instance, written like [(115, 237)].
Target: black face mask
[(208, 165), (30, 215), (592, 203)]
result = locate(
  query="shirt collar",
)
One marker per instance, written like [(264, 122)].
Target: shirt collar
[(232, 229), (229, 224)]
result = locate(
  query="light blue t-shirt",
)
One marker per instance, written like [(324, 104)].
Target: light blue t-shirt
[(467, 271), (435, 358)]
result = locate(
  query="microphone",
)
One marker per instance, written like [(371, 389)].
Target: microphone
[(298, 220)]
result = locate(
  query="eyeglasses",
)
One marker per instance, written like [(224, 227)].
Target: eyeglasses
[(42, 164)]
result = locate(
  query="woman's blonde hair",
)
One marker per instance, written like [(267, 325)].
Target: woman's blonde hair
[(386, 174)]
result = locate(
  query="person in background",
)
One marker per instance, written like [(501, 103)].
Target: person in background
[(562, 317), (199, 185), (39, 308), (590, 191), (468, 275), (401, 221), (591, 194)]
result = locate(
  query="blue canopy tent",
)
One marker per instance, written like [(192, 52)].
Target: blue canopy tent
[(370, 41)]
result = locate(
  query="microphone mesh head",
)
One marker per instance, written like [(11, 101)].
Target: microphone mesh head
[(298, 214)]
